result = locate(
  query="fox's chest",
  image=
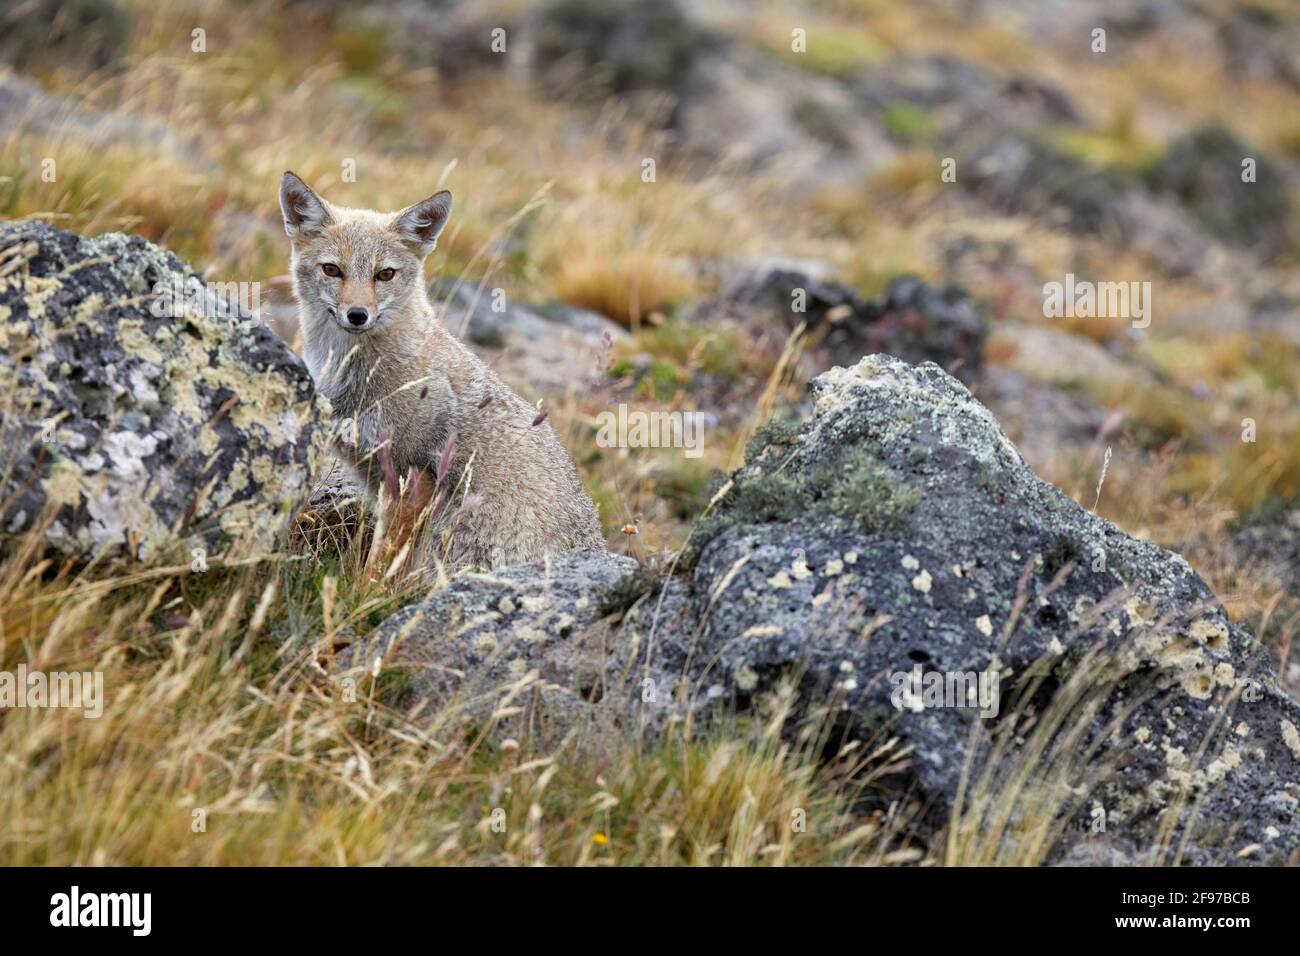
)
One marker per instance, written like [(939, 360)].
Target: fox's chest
[(386, 399)]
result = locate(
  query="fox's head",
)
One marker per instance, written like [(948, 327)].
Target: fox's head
[(355, 267)]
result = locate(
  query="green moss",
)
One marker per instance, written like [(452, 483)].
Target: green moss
[(850, 489), (909, 123), (665, 380), (1061, 551), (837, 52), (775, 432), (627, 591), (683, 485), (362, 48), (1108, 150), (380, 103), (395, 687), (692, 346)]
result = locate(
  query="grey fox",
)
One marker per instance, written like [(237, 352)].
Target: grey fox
[(412, 404)]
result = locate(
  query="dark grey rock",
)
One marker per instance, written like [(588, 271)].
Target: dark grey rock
[(96, 29), (1259, 45), (1016, 174), (961, 100), (1203, 171), (625, 44), (912, 319), (141, 421), (1271, 543)]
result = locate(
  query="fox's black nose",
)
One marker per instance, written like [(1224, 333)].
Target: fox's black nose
[(358, 316)]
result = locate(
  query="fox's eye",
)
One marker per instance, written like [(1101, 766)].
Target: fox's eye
[(331, 270), (383, 275)]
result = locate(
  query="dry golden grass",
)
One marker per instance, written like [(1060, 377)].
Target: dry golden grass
[(231, 734)]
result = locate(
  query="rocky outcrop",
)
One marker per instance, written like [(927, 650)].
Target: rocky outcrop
[(139, 407), (898, 535)]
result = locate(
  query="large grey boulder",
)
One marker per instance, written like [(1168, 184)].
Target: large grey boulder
[(898, 530), (140, 409)]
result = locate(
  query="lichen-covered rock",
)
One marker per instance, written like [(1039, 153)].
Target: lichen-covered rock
[(139, 408), (900, 532), (527, 633)]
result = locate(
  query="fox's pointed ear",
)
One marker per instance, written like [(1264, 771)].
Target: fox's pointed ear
[(421, 224), (304, 212)]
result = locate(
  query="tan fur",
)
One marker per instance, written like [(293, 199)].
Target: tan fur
[(529, 499)]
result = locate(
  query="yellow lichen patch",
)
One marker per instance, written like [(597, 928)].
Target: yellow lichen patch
[(89, 307), (1224, 675), (780, 580), (263, 470), (1218, 768), (64, 484), (1179, 652), (1139, 612), (746, 678), (531, 635), (1212, 631), (134, 339), (1183, 776), (37, 290), (1291, 737), (236, 481), (1199, 685)]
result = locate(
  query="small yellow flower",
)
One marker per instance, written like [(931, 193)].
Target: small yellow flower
[(599, 839)]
